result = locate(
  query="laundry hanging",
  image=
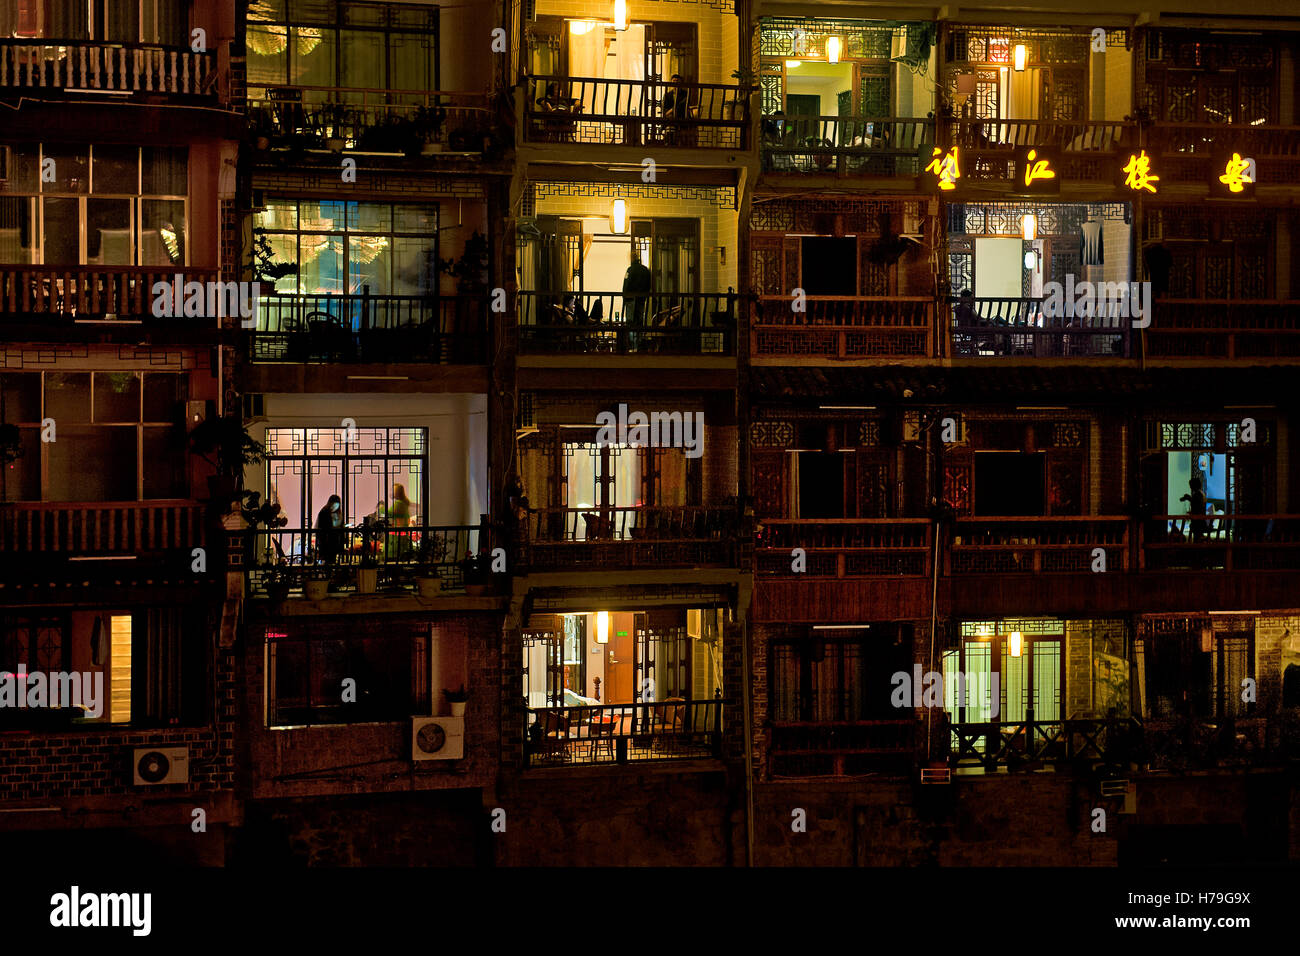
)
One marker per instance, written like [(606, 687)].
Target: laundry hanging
[(1090, 245)]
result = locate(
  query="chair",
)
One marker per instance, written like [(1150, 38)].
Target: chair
[(601, 733)]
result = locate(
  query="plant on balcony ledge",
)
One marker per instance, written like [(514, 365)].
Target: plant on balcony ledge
[(456, 699), (432, 550), (368, 572), (224, 443), (477, 572), (264, 265), (427, 128)]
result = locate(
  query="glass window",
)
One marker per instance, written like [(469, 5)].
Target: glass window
[(21, 393), (268, 60), (109, 236), (67, 396), (163, 394), (62, 229), (116, 169), (162, 232), (70, 169), (113, 450), (117, 397), (164, 171), (164, 462)]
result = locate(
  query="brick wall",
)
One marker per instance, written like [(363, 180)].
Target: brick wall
[(373, 757)]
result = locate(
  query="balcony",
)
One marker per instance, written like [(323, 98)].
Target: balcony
[(631, 113), (88, 292), (364, 328), (1235, 542), (607, 323), (99, 529), (28, 67), (372, 121), (1122, 743), (1198, 329), (1087, 149), (1020, 327), (843, 327), (846, 748), (1014, 743), (846, 547), (1183, 152), (568, 539), (285, 561), (624, 733), (846, 146), (1037, 545)]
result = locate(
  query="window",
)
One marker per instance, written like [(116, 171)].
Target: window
[(119, 436), (306, 674), (363, 46), (583, 255), (1198, 673), (305, 466), (350, 247), (106, 205), (144, 669), (114, 21), (1029, 685), (835, 679)]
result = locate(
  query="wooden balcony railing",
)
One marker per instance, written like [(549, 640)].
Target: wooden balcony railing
[(666, 323), (1036, 545), (1000, 743), (100, 528), (370, 120), (843, 327), (624, 733), (89, 292), (992, 327), (845, 547), (32, 65), (845, 145), (1185, 151), (989, 146), (1229, 329), (633, 113), (681, 536), (1229, 542), (844, 748), (329, 327)]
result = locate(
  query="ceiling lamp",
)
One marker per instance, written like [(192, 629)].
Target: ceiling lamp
[(1029, 227), (618, 217), (1019, 56), (1015, 644), (602, 627), (620, 14), (833, 50)]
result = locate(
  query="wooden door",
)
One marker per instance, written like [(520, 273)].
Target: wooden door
[(619, 654)]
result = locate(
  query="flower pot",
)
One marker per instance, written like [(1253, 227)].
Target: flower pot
[(458, 708), (316, 590), (430, 586), (367, 580), (477, 590)]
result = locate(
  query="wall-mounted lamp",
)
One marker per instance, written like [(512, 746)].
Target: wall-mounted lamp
[(602, 627), (1029, 227), (620, 14), (618, 217), (1031, 259), (1019, 56), (833, 50), (1015, 643)]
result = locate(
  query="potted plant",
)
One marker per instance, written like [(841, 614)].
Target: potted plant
[(257, 513), (475, 571), (316, 583), (457, 699), (277, 582), (427, 579), (261, 124), (427, 128), (368, 572), (224, 443)]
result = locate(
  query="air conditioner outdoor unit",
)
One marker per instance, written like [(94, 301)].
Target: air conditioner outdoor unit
[(941, 776), (154, 766), (438, 738), (1113, 788)]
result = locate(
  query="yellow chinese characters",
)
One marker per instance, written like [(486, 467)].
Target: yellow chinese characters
[(945, 168), (1036, 168), (1238, 173), (1138, 173)]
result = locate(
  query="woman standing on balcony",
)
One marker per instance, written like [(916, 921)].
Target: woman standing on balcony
[(399, 516), (329, 530)]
